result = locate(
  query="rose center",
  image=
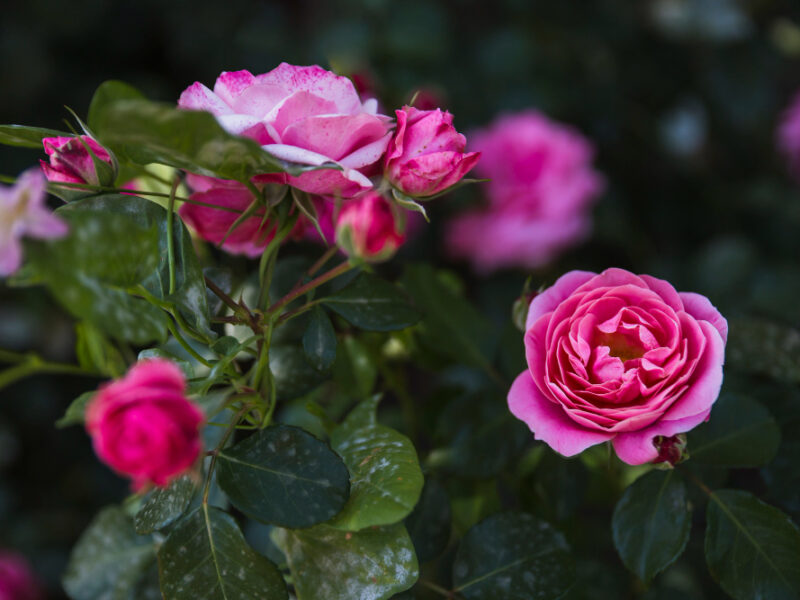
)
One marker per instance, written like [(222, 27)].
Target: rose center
[(621, 346)]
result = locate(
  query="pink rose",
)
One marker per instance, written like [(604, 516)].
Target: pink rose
[(540, 191), (143, 426), (370, 228), (426, 155), (71, 162), (16, 578), (618, 357), (23, 213), (305, 115), (788, 135)]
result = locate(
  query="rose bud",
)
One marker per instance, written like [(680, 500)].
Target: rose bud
[(619, 358), (426, 155), (17, 581), (144, 427), (370, 228), (71, 161)]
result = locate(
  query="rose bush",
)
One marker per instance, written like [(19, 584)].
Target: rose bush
[(621, 358)]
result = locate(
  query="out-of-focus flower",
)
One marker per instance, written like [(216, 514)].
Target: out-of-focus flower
[(23, 213), (17, 581), (370, 228), (788, 136), (427, 155), (71, 162), (539, 194), (305, 115), (622, 358), (143, 425)]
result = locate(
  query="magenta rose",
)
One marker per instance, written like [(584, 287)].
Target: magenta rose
[(71, 162), (304, 115), (370, 228), (618, 357), (426, 155), (788, 135), (143, 425), (539, 194), (17, 581)]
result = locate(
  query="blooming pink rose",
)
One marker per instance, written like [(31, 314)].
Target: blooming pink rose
[(370, 228), (618, 357), (71, 162), (143, 426), (16, 578), (788, 135), (23, 212), (540, 191), (426, 155), (305, 115)]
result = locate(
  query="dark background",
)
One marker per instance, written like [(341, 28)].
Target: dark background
[(681, 98)]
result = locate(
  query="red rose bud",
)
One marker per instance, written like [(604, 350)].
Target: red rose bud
[(426, 155), (671, 449), (144, 427), (370, 228), (71, 161)]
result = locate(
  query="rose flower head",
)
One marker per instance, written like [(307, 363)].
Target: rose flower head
[(143, 425), (71, 161), (618, 357)]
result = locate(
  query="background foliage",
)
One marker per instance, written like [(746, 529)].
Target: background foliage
[(681, 99)]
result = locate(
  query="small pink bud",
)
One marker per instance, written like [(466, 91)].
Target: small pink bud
[(370, 228), (671, 449), (426, 155), (71, 161)]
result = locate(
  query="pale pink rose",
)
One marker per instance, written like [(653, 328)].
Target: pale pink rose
[(370, 228), (788, 135), (539, 195), (71, 162), (426, 155), (23, 213), (305, 115), (17, 581), (618, 357), (143, 425)]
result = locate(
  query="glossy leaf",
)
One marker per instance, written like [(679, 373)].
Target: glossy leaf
[(752, 548), (106, 94), (108, 559), (651, 523), (373, 304), (429, 523), (319, 340), (163, 506), (385, 474), (354, 370), (294, 375), (75, 412), (285, 476), (329, 564), (26, 137), (206, 557), (510, 556), (740, 433)]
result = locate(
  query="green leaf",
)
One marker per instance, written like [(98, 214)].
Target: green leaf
[(740, 433), (782, 477), (510, 556), (429, 523), (386, 478), (651, 523), (285, 476), (106, 94), (329, 564), (185, 366), (294, 375), (75, 411), (206, 557), (27, 137), (752, 548), (319, 340), (354, 370), (151, 132), (163, 506), (108, 559), (96, 352), (451, 326), (373, 304), (764, 347)]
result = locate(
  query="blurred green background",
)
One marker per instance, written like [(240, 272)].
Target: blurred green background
[(680, 97)]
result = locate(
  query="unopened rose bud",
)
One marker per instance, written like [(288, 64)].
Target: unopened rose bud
[(426, 155), (370, 228), (671, 450), (71, 162)]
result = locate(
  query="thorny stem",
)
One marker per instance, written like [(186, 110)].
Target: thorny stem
[(311, 285)]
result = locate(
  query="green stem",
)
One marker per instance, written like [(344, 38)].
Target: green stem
[(32, 364), (182, 341), (215, 453), (311, 285), (438, 589), (298, 311), (171, 234), (269, 257)]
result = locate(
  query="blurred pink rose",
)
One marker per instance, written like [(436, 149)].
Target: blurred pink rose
[(71, 162), (426, 155), (23, 213), (143, 426), (539, 194), (788, 135), (618, 357), (370, 228), (305, 115), (17, 581)]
